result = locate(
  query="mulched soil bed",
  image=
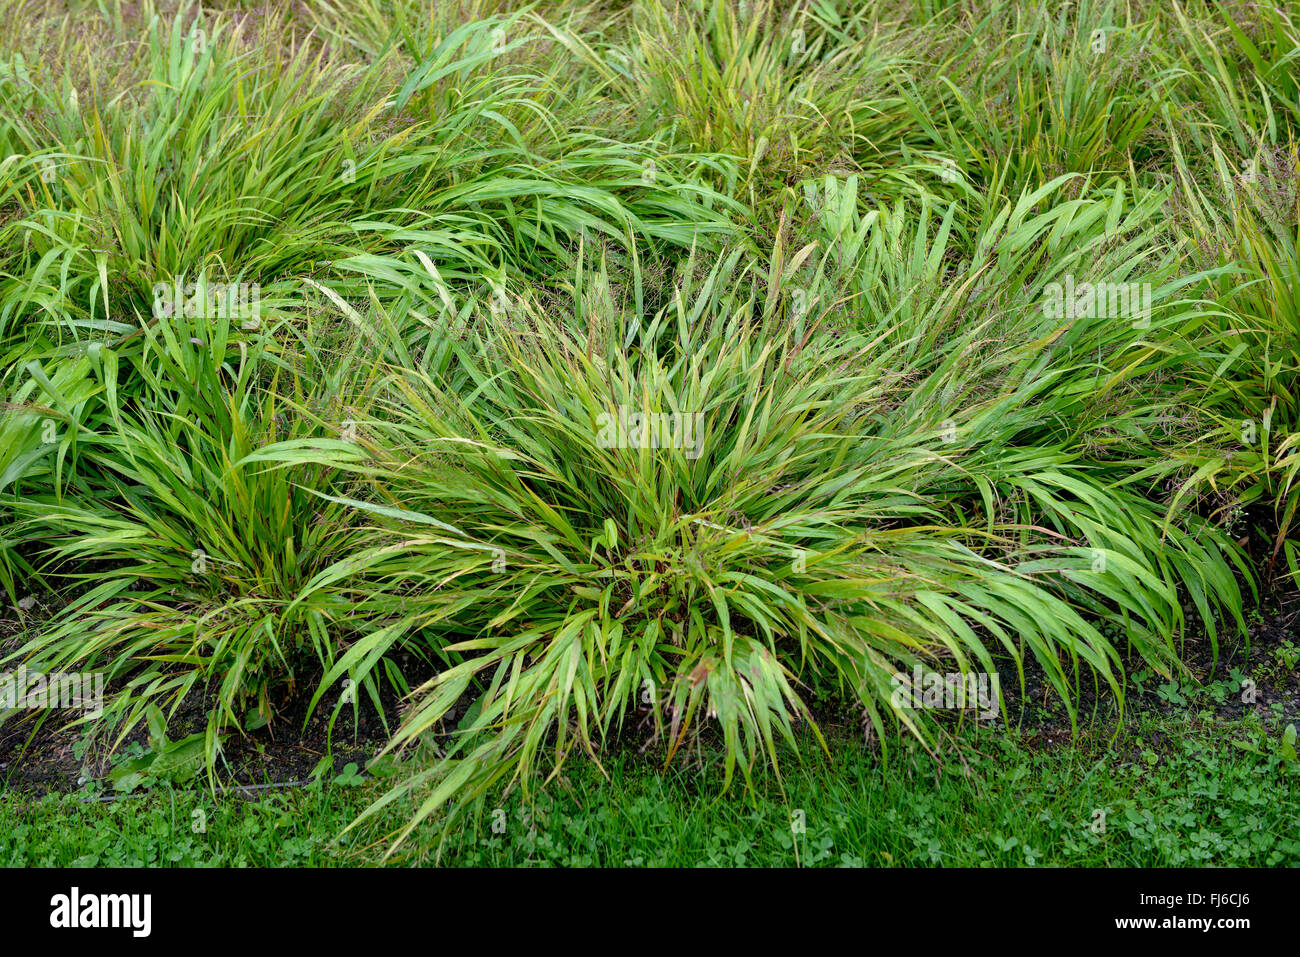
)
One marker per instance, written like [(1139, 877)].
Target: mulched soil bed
[(38, 758)]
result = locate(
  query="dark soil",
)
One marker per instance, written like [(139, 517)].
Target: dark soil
[(39, 757), (1042, 719)]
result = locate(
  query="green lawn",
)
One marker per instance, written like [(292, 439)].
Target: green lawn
[(1175, 791)]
